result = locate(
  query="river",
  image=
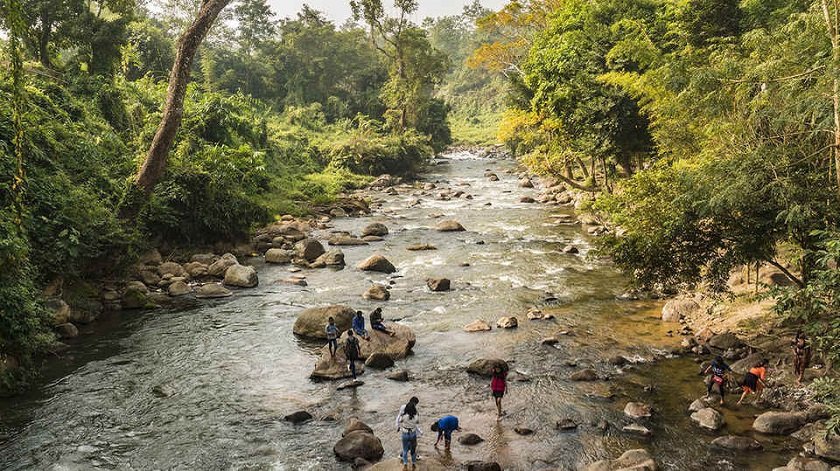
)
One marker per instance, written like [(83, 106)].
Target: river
[(236, 368)]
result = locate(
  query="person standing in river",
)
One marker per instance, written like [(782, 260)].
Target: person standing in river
[(801, 355), (718, 368), (498, 388), (352, 351), (359, 325), (332, 336), (409, 430)]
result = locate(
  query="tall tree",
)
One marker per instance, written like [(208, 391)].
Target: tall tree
[(173, 109)]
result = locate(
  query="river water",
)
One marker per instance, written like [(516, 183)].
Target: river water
[(236, 368)]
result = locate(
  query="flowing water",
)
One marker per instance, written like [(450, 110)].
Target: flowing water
[(236, 368)]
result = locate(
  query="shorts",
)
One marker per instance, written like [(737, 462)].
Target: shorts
[(498, 394)]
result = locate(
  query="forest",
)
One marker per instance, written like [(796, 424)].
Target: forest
[(706, 132)]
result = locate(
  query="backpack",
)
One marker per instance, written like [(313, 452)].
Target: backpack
[(351, 348)]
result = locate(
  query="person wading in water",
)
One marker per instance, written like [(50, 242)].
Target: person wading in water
[(498, 388), (718, 369)]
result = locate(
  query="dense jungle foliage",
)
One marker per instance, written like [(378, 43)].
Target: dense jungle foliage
[(279, 114), (709, 130)]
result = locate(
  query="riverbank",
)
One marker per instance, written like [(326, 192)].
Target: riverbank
[(208, 387)]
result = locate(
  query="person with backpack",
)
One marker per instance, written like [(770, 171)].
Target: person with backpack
[(352, 351), (718, 369), (409, 431)]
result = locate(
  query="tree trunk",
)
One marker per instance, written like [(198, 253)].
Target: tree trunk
[(832, 28), (173, 111), (44, 39)]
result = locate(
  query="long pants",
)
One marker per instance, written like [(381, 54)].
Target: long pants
[(353, 368), (409, 445)]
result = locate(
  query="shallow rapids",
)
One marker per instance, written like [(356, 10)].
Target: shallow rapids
[(236, 369)]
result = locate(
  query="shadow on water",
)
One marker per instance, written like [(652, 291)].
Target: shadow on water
[(233, 369)]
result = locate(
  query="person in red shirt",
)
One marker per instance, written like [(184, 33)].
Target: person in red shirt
[(754, 380), (498, 387)]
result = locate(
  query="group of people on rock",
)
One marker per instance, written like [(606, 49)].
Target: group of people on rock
[(352, 349), (755, 378)]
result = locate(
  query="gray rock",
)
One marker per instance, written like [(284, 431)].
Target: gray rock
[(212, 290), (377, 292), (438, 284), (676, 309), (346, 240), (350, 384), (151, 257), (485, 366), (179, 288), (220, 266), (171, 268), (449, 225), (375, 229), (196, 269), (204, 258), (309, 249), (135, 296), (827, 446), (379, 361), (734, 442), (279, 256), (779, 423), (298, 417), (708, 418), (241, 276), (331, 258), (477, 325), (399, 375), (418, 247), (377, 263), (312, 322), (637, 410), (508, 322), (636, 429), (470, 439), (66, 331), (725, 341), (359, 444), (482, 465)]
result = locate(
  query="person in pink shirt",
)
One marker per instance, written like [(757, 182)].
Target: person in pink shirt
[(498, 387)]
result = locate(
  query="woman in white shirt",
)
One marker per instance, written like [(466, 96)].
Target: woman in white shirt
[(409, 430)]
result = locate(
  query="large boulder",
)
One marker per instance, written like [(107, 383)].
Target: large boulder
[(220, 266), (377, 292), (60, 310), (803, 463), (359, 444), (827, 445), (676, 309), (66, 331), (298, 417), (309, 249), (377, 263), (725, 341), (212, 290), (470, 439), (179, 288), (171, 268), (331, 258), (135, 296), (734, 442), (637, 410), (151, 257), (779, 423), (375, 229), (312, 322), (379, 361), (196, 269), (355, 425), (346, 240), (279, 256), (241, 276), (449, 225), (485, 366), (708, 418), (396, 347), (632, 460)]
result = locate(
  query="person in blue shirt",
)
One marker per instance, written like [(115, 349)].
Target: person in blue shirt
[(359, 325), (444, 428)]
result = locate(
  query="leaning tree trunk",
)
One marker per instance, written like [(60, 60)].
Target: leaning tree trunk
[(173, 110), (833, 29)]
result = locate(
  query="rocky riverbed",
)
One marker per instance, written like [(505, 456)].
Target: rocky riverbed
[(475, 263)]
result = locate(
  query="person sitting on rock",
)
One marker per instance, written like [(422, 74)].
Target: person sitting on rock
[(376, 322), (332, 336), (352, 352), (718, 369), (754, 381), (359, 325), (444, 428)]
